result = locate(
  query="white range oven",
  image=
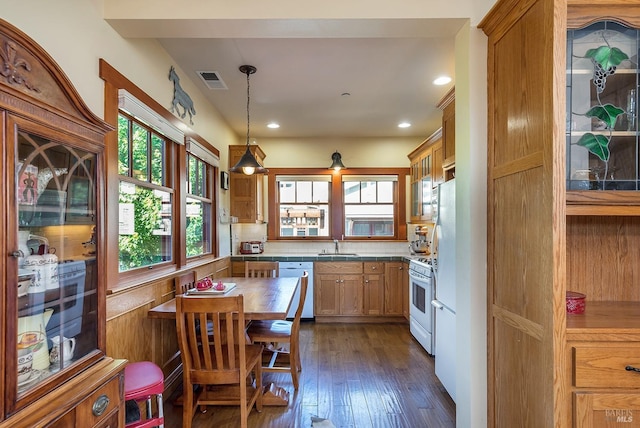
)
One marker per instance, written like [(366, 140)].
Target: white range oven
[(421, 312)]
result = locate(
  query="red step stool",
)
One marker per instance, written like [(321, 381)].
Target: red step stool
[(142, 380)]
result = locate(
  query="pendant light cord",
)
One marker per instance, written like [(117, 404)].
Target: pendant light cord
[(248, 100)]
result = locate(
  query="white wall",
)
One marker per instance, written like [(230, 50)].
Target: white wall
[(356, 152), (471, 230)]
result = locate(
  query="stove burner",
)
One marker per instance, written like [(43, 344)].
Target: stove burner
[(422, 265)]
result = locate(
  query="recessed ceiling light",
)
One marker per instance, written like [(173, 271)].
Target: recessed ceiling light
[(404, 125), (442, 80), (273, 125)]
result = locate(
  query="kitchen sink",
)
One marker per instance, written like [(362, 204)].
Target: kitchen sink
[(338, 254)]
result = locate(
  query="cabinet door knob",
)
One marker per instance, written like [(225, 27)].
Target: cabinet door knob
[(632, 369), (100, 405)]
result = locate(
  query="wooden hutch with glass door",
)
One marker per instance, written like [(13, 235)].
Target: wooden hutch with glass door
[(52, 300), (564, 213)]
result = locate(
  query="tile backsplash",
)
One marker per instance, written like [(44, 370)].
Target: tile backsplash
[(258, 232)]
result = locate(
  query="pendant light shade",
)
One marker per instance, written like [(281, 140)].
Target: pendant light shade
[(248, 164), (337, 164)]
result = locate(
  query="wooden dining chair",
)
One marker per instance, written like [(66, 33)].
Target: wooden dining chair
[(185, 282), (276, 332), (260, 269), (209, 361)]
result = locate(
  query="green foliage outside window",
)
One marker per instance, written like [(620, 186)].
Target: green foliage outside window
[(150, 240)]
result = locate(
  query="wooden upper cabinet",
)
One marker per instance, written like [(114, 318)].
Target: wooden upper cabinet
[(603, 160), (246, 190), (426, 173), (448, 107)]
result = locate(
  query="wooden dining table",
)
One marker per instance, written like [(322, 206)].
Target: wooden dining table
[(264, 299)]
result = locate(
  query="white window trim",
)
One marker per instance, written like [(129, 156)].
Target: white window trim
[(149, 117)]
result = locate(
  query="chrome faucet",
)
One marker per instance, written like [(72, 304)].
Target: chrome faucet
[(335, 242)]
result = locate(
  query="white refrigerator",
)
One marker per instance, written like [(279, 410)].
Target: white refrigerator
[(445, 286)]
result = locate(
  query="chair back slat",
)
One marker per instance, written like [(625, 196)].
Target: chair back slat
[(304, 283), (211, 336), (222, 349), (185, 282), (261, 269)]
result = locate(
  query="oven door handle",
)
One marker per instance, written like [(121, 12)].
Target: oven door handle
[(436, 304)]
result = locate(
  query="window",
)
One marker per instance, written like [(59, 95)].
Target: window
[(369, 209), (355, 204), (303, 208), (198, 211), (146, 198)]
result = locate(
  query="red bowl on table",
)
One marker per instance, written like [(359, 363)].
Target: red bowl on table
[(576, 302)]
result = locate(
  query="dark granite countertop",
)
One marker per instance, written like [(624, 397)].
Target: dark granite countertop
[(324, 258)]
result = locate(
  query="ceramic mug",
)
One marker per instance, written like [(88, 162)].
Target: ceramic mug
[(67, 348), (25, 364)]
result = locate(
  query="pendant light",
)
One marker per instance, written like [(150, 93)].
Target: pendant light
[(337, 161), (248, 163)]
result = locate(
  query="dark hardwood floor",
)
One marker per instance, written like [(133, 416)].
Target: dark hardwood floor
[(356, 375)]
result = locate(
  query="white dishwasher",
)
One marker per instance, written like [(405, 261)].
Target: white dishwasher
[(296, 269)]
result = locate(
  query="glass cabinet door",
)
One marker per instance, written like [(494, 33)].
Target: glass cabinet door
[(602, 116), (56, 295)]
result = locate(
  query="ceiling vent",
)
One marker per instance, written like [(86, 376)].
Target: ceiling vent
[(212, 79)]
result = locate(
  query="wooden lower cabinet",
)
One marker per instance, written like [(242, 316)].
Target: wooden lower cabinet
[(360, 291), (602, 410), (351, 295), (393, 288), (605, 386), (405, 290), (94, 399), (326, 297), (338, 288), (373, 288)]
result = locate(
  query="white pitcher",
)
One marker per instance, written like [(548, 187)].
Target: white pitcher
[(66, 349), (36, 326)]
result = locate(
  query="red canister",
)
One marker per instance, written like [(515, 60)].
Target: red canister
[(575, 302)]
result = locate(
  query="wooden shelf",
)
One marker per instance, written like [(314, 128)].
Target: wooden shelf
[(603, 202), (609, 320)]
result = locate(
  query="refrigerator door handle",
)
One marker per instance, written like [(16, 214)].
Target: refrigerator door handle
[(436, 304)]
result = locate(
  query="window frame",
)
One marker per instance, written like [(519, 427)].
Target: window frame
[(354, 178), (115, 84), (336, 203), (209, 197), (169, 185)]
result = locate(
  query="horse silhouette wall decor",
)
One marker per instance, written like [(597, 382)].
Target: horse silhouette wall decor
[(180, 98)]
